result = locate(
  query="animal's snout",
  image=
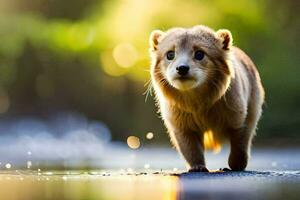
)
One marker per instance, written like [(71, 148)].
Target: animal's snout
[(182, 70)]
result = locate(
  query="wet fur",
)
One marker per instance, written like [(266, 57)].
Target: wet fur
[(229, 102)]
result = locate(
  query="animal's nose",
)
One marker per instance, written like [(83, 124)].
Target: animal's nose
[(182, 69)]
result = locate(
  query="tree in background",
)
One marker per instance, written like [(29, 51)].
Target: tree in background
[(92, 57)]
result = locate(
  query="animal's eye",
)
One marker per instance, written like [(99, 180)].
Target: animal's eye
[(199, 55), (170, 55)]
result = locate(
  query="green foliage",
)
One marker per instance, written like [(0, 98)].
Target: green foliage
[(70, 55)]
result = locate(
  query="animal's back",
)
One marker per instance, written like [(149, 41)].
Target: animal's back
[(208, 88), (256, 93)]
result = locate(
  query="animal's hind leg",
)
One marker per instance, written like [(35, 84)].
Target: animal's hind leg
[(240, 141)]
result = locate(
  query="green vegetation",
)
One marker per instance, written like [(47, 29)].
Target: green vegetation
[(92, 56)]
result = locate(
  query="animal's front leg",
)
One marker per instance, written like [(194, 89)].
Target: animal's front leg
[(190, 146)]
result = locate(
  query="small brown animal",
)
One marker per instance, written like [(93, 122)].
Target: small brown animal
[(204, 84)]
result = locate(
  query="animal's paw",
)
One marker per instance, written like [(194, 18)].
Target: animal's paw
[(198, 168), (225, 169)]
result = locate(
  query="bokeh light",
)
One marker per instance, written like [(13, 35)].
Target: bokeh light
[(133, 142), (7, 165), (125, 55), (109, 66), (29, 164), (97, 61), (149, 136)]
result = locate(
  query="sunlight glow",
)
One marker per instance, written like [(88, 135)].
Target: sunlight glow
[(170, 188), (210, 143), (109, 66), (125, 55)]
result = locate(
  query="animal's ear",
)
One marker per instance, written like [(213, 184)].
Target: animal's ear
[(155, 38), (226, 38)]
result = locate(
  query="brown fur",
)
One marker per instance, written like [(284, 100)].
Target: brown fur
[(228, 103)]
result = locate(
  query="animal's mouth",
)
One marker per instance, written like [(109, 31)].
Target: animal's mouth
[(184, 82), (185, 78)]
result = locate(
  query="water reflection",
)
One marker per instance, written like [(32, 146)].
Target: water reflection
[(77, 186), (81, 185)]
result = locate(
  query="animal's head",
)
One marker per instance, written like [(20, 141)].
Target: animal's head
[(187, 58)]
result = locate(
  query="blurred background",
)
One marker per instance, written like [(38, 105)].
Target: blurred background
[(83, 65)]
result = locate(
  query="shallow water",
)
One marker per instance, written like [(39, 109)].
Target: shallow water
[(152, 185), (150, 174)]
